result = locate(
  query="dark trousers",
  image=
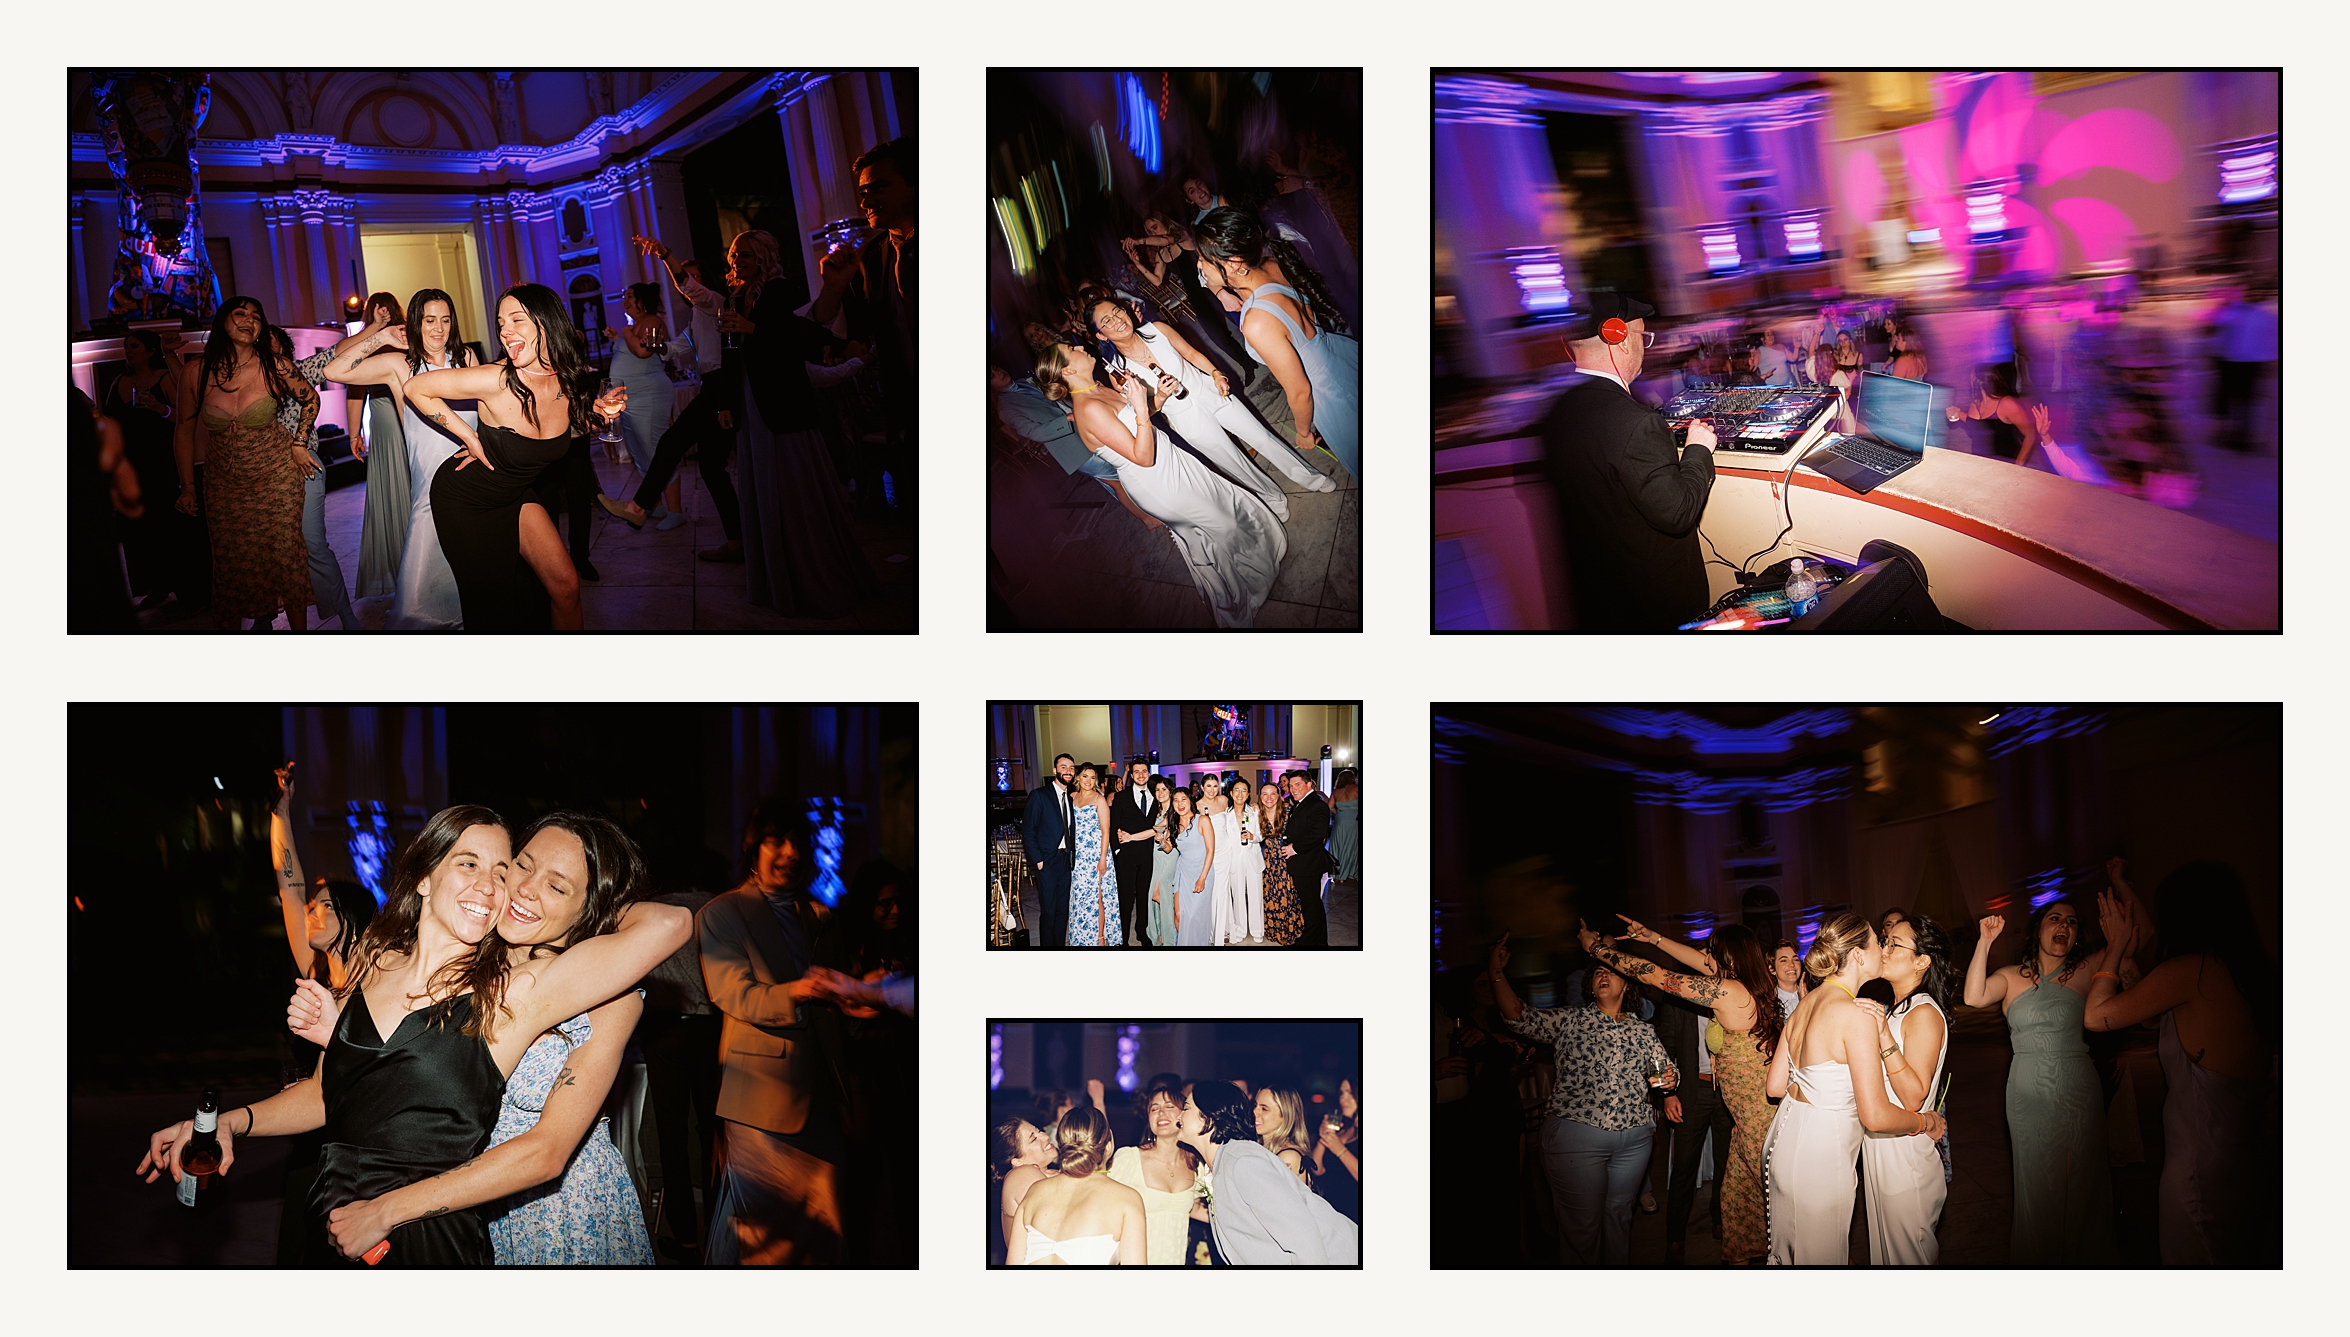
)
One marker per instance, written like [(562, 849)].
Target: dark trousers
[(1702, 1109), (1133, 863), (1594, 1176), (1052, 893), (697, 426), (1316, 932)]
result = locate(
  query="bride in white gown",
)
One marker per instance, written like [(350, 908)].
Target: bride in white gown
[(1829, 1053), (1228, 536)]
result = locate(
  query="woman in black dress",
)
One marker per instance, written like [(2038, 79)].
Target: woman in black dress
[(436, 1015), (513, 573)]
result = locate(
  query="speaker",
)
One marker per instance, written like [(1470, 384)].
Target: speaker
[(1888, 593)]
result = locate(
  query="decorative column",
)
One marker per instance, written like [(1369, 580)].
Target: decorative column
[(1493, 175), (76, 209), (493, 222), (278, 218), (817, 157), (660, 190), (537, 216), (616, 259)]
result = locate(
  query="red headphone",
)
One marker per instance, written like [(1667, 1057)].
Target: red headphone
[(1614, 331)]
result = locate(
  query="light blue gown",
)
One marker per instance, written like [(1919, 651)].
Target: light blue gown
[(652, 402), (1333, 365), (1198, 908), (424, 598)]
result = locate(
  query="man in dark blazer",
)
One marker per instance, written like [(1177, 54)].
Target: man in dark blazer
[(1046, 831), (1680, 1025), (876, 283), (782, 1136), (1134, 812), (1301, 841), (1628, 501)]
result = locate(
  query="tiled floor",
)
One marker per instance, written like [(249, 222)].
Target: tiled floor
[(650, 581), (1067, 555)]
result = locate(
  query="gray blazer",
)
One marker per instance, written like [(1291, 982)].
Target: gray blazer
[(1263, 1216)]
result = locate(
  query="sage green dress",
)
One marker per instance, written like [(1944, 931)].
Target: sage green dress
[(2056, 1129), (383, 520)]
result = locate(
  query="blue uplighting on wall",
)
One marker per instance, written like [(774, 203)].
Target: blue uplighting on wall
[(2044, 886), (1139, 121), (1003, 777), (830, 818), (1711, 737), (2022, 726), (1129, 1048), (995, 1057), (371, 846)]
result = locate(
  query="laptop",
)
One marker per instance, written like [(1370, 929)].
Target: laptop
[(1897, 422)]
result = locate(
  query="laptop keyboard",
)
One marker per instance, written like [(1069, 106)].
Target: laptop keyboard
[(1873, 457)]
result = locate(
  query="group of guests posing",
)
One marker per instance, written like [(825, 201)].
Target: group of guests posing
[(1209, 864), (1219, 1177), (1803, 1074), (1133, 377)]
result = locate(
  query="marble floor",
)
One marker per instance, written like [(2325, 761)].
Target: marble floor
[(1065, 554), (649, 580)]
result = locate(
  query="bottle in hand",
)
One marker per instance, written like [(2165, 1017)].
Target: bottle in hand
[(200, 1159)]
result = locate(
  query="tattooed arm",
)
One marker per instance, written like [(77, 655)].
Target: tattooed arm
[(538, 1154), (293, 893), (1701, 989)]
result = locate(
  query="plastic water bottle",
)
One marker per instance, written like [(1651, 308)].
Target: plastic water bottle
[(1803, 592)]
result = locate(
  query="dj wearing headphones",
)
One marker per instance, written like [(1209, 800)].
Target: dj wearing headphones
[(1628, 500)]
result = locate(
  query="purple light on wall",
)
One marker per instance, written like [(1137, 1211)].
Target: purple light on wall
[(1986, 212), (1720, 249), (371, 845), (1542, 287), (1140, 119), (995, 1057), (1806, 929), (1803, 235), (1129, 1048), (829, 816), (2249, 174), (2044, 886)]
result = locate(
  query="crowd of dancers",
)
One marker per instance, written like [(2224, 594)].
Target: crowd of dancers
[(1221, 352), (1138, 860), (1204, 1173), (470, 463), (1824, 1070), (462, 1046)]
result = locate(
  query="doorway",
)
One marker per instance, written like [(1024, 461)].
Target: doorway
[(403, 263)]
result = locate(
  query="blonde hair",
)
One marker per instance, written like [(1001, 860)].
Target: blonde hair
[(1835, 944), (1085, 1141), (1291, 1135), (757, 259), (1052, 368)]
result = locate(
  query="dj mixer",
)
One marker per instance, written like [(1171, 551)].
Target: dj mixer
[(1769, 420)]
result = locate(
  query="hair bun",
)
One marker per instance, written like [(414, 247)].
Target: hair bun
[(1085, 1141)]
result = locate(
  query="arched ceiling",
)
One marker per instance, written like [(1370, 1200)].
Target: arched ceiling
[(402, 109)]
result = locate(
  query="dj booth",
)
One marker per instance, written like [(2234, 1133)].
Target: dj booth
[(1994, 545)]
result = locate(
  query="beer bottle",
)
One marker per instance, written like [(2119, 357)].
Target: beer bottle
[(200, 1159)]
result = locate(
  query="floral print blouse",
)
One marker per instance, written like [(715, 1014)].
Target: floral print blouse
[(1602, 1064)]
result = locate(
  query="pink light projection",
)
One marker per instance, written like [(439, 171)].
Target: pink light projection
[(1994, 131), (1864, 185), (2102, 229), (2118, 137)]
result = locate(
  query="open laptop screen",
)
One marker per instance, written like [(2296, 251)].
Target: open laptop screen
[(1898, 412)]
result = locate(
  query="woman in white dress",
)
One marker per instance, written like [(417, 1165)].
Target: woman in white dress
[(1829, 1056), (1252, 856), (1224, 866), (1903, 1171), (1168, 1175), (1228, 537), (1206, 414), (1080, 1217), (424, 593)]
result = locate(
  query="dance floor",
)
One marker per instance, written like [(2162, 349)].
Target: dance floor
[(1087, 562), (651, 581), (1343, 903), (1976, 1218)]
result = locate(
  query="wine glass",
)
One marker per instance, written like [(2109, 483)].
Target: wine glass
[(607, 429)]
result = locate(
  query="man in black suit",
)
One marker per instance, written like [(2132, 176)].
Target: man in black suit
[(1133, 813), (1680, 1025), (877, 283), (1301, 841), (1628, 502), (1045, 831)]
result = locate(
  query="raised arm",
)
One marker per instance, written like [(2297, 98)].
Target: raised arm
[(838, 267), (292, 890), (1985, 986), (530, 1158), (1504, 997), (1673, 947), (1704, 989), (599, 969), (363, 359)]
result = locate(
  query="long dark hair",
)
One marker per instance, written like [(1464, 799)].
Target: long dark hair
[(2202, 908), (482, 970), (1006, 1146), (220, 352), (616, 874), (1235, 234), (354, 910), (2029, 956), (387, 302), (1738, 955), (1228, 1115), (560, 351), (1932, 942), (459, 354)]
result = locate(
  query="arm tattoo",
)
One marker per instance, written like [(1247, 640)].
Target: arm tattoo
[(436, 417), (1630, 965), (437, 1211), (1698, 989), (564, 1078)]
